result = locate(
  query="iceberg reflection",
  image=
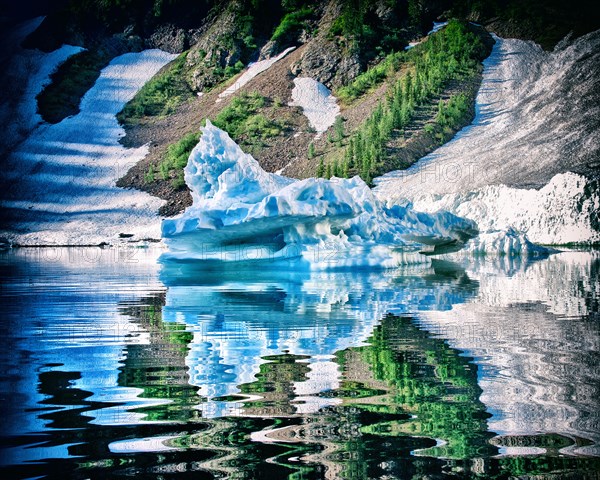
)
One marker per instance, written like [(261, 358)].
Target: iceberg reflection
[(238, 319)]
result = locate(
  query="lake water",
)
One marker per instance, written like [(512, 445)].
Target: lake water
[(116, 365)]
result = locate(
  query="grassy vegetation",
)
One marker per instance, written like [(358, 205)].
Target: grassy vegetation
[(161, 95), (291, 23), (243, 119), (169, 89), (176, 157), (69, 83), (452, 114), (372, 78), (452, 53), (178, 152), (245, 123)]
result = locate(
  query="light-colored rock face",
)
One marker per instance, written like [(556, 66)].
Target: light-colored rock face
[(324, 61), (217, 45)]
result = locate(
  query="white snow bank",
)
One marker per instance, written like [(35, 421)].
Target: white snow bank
[(504, 243), (253, 70), (25, 74), (536, 118), (60, 182), (244, 215), (566, 210), (317, 102)]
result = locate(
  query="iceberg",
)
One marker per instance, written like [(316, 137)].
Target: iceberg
[(242, 215)]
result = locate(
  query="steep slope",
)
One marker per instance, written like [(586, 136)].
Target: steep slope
[(537, 118), (538, 114), (294, 147)]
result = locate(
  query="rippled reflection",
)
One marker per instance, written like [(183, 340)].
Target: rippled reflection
[(115, 365)]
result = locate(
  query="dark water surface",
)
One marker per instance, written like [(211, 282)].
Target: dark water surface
[(115, 366)]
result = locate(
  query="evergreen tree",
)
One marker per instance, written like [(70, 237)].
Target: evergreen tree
[(338, 128), (320, 168)]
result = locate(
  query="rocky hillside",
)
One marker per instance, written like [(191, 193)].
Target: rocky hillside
[(396, 103)]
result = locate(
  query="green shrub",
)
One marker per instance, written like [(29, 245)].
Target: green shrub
[(179, 152), (338, 128), (370, 79), (311, 152), (243, 122), (259, 126), (175, 159), (179, 181), (291, 23), (149, 175)]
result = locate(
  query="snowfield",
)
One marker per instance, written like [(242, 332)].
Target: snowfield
[(317, 102), (537, 118), (59, 184), (252, 71)]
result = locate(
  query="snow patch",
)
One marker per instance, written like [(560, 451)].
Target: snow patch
[(504, 243), (60, 182), (252, 71), (411, 45), (244, 215), (566, 210), (437, 26), (317, 102)]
